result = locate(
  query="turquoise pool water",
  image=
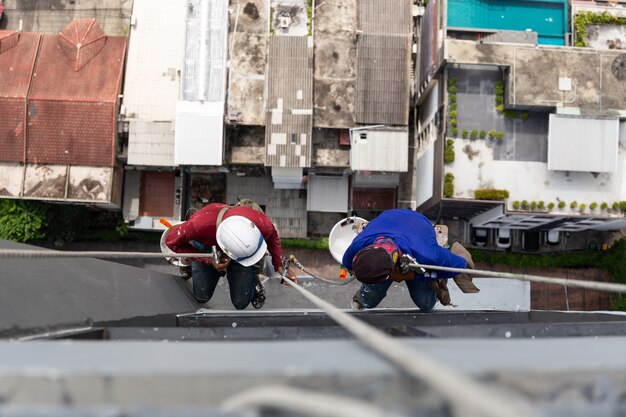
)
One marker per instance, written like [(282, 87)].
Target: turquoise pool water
[(546, 17)]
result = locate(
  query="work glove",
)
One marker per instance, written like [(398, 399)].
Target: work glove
[(440, 286), (464, 281)]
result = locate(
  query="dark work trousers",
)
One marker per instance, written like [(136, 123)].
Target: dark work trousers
[(424, 298), (241, 281)]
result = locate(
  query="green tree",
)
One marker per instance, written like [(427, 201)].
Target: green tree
[(22, 221)]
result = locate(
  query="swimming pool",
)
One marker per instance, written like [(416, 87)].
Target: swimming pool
[(546, 17)]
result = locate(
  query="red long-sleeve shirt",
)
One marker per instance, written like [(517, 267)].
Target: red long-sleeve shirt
[(201, 227)]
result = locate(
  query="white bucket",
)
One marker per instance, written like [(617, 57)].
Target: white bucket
[(166, 250), (342, 235)]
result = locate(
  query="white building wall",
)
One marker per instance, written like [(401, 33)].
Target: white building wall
[(327, 193), (424, 176)]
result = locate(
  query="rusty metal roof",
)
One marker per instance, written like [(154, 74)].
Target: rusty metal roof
[(17, 59)]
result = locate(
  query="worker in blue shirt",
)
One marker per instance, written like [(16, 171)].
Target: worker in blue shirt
[(374, 255)]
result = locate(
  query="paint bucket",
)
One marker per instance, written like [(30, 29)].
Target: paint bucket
[(166, 250), (342, 235)]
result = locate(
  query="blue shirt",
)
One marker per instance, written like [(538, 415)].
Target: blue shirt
[(414, 235)]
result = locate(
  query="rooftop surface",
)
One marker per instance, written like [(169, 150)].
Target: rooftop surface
[(534, 75)]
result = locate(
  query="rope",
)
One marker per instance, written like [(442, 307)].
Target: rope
[(19, 253), (456, 387), (590, 285), (292, 259), (39, 254), (298, 401)]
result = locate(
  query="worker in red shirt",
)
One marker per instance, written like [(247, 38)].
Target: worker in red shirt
[(242, 233)]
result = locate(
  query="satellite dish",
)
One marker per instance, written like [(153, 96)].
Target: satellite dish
[(618, 67)]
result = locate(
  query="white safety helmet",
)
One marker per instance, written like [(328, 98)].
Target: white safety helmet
[(241, 240)]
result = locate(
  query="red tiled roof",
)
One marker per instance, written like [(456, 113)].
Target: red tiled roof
[(74, 133), (16, 68), (99, 80), (72, 113), (8, 39), (80, 41), (16, 63)]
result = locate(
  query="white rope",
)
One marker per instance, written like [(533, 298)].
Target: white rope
[(301, 401), (460, 390), (35, 254), (19, 253), (590, 285)]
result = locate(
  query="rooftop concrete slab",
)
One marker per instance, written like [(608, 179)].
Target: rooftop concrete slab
[(247, 43), (534, 75), (335, 38)]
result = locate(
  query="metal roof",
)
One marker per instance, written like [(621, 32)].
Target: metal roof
[(204, 65), (289, 113), (584, 144), (383, 62), (380, 150), (390, 17)]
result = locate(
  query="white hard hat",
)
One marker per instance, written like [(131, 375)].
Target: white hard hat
[(241, 240)]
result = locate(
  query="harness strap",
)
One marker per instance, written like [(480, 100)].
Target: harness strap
[(220, 216)]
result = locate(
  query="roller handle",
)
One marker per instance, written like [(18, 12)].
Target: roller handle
[(165, 223)]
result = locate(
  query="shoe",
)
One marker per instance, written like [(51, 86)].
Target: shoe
[(440, 287), (185, 272), (356, 303), (259, 296)]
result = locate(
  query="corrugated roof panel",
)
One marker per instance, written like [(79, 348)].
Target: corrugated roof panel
[(289, 114), (199, 133), (204, 67), (383, 62), (155, 59), (327, 193), (583, 144), (383, 79), (389, 16), (150, 143), (380, 150)]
